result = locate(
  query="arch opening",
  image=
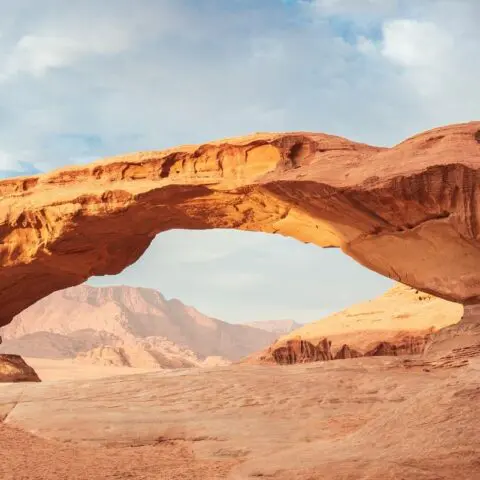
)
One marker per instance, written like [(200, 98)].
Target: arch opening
[(242, 276)]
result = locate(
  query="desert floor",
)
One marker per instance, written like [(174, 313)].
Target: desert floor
[(368, 418), (69, 369)]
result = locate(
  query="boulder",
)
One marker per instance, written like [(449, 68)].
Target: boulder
[(13, 368)]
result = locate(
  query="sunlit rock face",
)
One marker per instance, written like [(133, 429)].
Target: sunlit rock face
[(300, 351), (409, 212)]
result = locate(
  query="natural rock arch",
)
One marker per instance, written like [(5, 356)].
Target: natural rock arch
[(410, 212)]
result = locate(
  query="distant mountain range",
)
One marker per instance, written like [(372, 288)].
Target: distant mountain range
[(131, 326), (281, 327)]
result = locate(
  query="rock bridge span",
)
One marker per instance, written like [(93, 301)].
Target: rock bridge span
[(410, 212)]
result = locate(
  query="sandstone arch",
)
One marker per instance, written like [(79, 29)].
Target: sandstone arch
[(410, 212)]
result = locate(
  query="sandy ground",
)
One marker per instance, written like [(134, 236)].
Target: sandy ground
[(362, 419), (52, 370), (26, 457)]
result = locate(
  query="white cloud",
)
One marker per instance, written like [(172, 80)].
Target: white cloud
[(433, 54), (352, 7), (8, 162), (417, 44), (366, 45), (36, 54), (66, 34)]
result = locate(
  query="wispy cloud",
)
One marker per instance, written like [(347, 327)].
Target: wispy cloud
[(184, 71)]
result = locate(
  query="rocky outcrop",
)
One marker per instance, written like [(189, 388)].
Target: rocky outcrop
[(13, 368), (142, 355), (412, 345), (402, 317), (346, 352), (298, 350), (461, 340), (398, 316), (408, 345), (139, 356), (383, 349), (409, 212), (48, 344), (301, 351)]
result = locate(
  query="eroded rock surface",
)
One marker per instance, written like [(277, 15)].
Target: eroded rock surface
[(409, 212), (383, 349), (458, 341), (300, 351), (400, 313), (13, 368), (289, 352), (347, 352), (402, 321)]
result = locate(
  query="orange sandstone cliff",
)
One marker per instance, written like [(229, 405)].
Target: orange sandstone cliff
[(402, 321), (410, 212)]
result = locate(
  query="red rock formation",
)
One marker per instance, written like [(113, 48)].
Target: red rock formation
[(393, 210), (346, 352), (412, 345), (406, 345), (13, 368), (291, 351), (401, 316), (301, 351), (382, 349)]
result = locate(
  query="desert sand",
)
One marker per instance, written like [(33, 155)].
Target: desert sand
[(38, 459), (369, 418), (67, 369)]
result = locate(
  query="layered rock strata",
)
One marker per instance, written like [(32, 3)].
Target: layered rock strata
[(301, 351)]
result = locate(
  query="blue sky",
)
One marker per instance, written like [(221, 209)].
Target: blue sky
[(83, 80)]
